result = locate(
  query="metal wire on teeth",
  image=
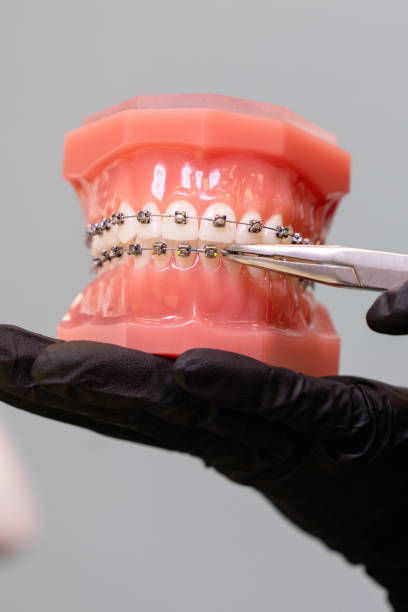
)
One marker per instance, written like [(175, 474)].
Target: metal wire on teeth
[(158, 248), (180, 217)]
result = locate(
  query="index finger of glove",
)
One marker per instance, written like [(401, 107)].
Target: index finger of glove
[(321, 407), (18, 350)]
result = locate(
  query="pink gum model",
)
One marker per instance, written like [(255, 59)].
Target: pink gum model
[(204, 155)]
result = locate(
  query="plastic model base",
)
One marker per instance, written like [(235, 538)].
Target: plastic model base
[(188, 161), (316, 354)]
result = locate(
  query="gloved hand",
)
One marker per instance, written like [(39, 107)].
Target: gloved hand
[(331, 454)]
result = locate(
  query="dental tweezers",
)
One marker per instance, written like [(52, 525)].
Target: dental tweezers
[(338, 266)]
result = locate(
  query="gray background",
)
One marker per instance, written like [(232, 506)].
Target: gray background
[(130, 528)]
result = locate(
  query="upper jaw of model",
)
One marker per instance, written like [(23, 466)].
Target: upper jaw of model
[(197, 203), (165, 183)]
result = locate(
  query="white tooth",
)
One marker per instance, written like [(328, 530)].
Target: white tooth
[(244, 236), (208, 263), (209, 234), (184, 262), (232, 266), (162, 261), (97, 244), (109, 238), (140, 261), (128, 229), (152, 229), (182, 232), (269, 235), (218, 235)]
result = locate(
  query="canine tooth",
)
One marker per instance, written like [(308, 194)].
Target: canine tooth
[(173, 227), (244, 236), (269, 235), (152, 229), (219, 235), (129, 229)]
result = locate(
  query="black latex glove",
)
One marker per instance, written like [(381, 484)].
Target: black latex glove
[(331, 454)]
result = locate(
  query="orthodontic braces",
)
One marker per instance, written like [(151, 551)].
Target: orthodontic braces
[(158, 248), (180, 217)]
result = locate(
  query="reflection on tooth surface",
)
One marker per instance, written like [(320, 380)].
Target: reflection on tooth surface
[(127, 230), (220, 234), (179, 227)]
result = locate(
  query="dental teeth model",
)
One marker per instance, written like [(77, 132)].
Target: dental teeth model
[(165, 183)]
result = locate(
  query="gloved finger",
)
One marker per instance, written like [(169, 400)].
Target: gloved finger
[(389, 313), (237, 462), (64, 416), (327, 409), (18, 351), (115, 384)]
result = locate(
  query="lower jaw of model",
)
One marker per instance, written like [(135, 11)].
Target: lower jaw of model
[(169, 303)]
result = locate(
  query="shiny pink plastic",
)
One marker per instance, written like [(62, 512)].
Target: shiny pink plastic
[(161, 155)]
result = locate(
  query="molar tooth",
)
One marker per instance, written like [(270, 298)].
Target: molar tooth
[(181, 232), (129, 228)]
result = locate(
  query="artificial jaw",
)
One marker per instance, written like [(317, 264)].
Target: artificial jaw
[(160, 288)]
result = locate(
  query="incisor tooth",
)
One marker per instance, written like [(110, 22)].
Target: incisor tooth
[(152, 229), (182, 232), (127, 230)]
